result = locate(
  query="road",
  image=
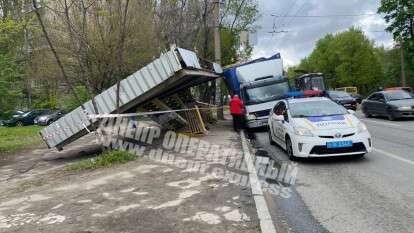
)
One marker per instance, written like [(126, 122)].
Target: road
[(372, 194)]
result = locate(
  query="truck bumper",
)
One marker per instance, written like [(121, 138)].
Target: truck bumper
[(250, 124)]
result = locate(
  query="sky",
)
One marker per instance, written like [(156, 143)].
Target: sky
[(300, 34)]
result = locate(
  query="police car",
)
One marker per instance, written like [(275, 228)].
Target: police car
[(317, 127)]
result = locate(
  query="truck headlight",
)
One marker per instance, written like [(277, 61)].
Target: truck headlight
[(303, 132), (251, 116), (362, 127), (404, 108)]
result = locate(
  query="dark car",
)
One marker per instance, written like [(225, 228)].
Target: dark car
[(26, 118), (342, 98), (392, 104), (357, 97), (48, 118)]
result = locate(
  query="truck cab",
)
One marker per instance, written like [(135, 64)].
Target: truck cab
[(260, 83), (311, 84), (260, 97)]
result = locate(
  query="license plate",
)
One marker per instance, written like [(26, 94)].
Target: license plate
[(339, 144)]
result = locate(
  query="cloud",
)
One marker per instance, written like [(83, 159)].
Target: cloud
[(302, 33)]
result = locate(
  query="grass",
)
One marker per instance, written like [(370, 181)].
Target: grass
[(106, 159), (17, 138)]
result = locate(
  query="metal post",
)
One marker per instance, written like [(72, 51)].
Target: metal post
[(403, 77), (217, 56)]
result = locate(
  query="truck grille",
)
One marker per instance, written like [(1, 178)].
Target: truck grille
[(323, 150), (262, 113)]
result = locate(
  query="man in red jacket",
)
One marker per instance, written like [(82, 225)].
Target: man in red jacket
[(237, 110)]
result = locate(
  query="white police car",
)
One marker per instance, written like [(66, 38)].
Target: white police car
[(317, 127)]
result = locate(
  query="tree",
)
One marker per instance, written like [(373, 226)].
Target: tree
[(400, 15), (347, 59)]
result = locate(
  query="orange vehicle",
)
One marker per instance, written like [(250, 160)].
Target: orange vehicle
[(408, 89)]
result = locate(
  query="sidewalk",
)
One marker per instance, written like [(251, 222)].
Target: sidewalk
[(146, 195)]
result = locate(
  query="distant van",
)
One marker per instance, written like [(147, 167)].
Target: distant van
[(350, 90)]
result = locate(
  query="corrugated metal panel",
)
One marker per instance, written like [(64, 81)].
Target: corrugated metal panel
[(190, 58), (131, 88)]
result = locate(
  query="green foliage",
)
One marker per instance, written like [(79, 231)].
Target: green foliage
[(346, 59), (400, 16), (10, 63), (17, 138), (69, 102), (104, 160)]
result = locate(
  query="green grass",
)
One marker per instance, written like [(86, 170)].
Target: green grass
[(17, 138), (106, 159)]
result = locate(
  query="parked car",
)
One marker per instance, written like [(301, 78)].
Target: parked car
[(17, 113), (48, 118), (1, 122), (342, 98), (26, 118), (392, 104), (357, 97), (317, 127)]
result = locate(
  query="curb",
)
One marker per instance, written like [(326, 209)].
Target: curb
[(266, 222)]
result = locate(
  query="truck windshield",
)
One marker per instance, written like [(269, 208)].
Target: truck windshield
[(313, 83), (266, 93), (316, 108)]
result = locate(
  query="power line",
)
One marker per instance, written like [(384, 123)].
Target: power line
[(282, 22), (321, 16)]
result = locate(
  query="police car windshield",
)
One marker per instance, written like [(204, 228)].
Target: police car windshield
[(315, 108)]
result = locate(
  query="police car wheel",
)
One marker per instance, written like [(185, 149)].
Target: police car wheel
[(270, 138), (289, 149)]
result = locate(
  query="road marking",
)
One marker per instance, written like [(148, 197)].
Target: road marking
[(265, 220), (394, 156), (381, 123)]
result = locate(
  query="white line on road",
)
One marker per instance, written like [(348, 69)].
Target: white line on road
[(381, 123), (394, 156), (265, 220)]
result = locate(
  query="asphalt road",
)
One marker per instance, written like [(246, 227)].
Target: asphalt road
[(372, 194)]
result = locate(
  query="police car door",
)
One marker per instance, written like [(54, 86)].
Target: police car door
[(279, 128)]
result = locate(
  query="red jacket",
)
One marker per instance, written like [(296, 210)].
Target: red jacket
[(236, 106)]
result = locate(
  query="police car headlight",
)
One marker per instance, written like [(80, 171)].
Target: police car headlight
[(303, 132), (251, 116), (362, 127)]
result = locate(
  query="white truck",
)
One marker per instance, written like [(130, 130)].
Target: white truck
[(260, 83)]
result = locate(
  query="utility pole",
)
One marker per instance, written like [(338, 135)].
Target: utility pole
[(217, 56), (403, 77)]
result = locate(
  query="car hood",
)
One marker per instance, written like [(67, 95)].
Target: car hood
[(401, 103), (327, 123)]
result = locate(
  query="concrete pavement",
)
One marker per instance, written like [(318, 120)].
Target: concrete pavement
[(168, 192), (373, 194)]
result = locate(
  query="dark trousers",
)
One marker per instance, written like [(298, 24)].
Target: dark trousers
[(237, 121)]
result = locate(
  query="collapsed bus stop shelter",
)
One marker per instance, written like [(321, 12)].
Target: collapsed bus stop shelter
[(173, 72)]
